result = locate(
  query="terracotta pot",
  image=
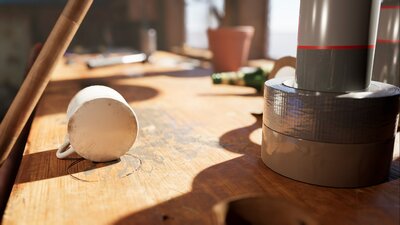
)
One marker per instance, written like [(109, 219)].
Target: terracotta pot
[(230, 47)]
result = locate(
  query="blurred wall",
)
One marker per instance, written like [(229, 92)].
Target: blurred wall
[(14, 47), (109, 24), (254, 13)]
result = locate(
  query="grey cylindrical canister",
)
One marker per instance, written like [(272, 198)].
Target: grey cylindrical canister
[(333, 45), (148, 39), (327, 164), (387, 53)]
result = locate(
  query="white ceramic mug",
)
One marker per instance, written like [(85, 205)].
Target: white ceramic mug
[(101, 125)]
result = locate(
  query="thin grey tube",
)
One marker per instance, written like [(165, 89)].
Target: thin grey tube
[(333, 45), (387, 54)]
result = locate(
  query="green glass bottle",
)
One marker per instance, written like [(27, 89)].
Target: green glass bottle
[(247, 76)]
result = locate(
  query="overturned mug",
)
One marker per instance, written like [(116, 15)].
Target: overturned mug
[(101, 125)]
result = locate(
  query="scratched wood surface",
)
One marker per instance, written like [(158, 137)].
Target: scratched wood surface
[(198, 144)]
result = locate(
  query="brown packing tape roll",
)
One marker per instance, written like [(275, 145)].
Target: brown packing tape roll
[(326, 164), (353, 117)]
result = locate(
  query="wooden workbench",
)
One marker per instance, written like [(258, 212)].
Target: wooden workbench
[(198, 144)]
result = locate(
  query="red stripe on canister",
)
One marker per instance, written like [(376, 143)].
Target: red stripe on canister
[(334, 47), (388, 41), (390, 7)]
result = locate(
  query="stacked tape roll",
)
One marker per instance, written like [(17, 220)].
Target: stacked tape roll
[(331, 125), (327, 164), (354, 117), (330, 139), (387, 53)]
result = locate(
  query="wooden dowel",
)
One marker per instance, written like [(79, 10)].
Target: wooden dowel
[(39, 75)]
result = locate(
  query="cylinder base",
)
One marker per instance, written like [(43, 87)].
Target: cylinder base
[(327, 164)]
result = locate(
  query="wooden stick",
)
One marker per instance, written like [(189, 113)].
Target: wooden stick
[(39, 75)]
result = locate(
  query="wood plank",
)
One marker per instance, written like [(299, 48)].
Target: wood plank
[(9, 170), (198, 145)]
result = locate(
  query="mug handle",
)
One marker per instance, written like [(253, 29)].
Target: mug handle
[(65, 149), (287, 61)]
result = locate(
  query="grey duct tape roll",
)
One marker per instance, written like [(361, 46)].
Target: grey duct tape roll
[(353, 117), (335, 165)]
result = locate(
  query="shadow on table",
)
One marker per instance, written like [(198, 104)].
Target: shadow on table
[(238, 140), (198, 72), (241, 176), (255, 94), (247, 175), (45, 165), (232, 178), (395, 170), (59, 93), (70, 87)]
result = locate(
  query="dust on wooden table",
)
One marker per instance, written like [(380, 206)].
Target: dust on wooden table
[(198, 144)]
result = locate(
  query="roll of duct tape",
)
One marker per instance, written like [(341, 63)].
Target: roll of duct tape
[(326, 164), (354, 117)]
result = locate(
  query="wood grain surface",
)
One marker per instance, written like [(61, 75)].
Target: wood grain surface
[(199, 144)]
